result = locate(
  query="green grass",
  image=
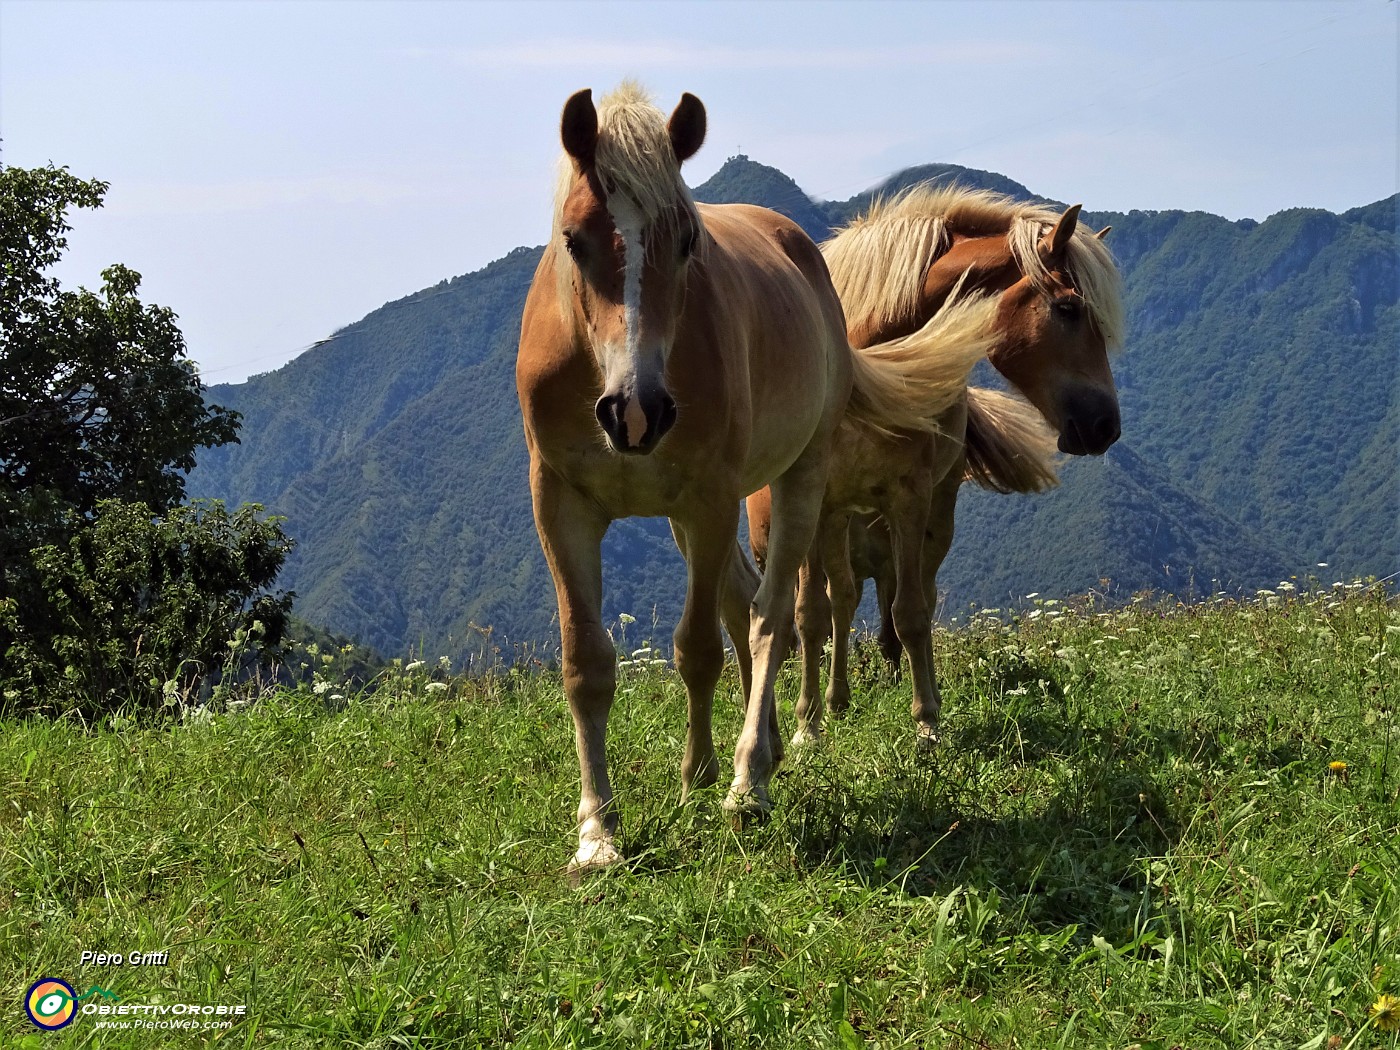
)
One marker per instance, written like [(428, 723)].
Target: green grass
[(1131, 836)]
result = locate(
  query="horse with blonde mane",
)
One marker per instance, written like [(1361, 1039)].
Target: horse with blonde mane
[(1059, 309), (673, 358)]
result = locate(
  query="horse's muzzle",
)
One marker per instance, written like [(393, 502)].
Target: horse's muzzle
[(635, 424), (1091, 424)]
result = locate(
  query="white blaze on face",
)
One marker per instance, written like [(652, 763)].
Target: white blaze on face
[(631, 225)]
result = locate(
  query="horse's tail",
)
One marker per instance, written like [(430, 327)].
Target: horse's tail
[(1009, 447), (906, 384)]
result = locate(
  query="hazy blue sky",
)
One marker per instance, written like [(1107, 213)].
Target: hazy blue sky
[(280, 169)]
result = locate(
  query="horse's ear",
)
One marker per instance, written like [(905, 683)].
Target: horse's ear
[(1052, 246), (578, 127), (687, 127), (1102, 233)]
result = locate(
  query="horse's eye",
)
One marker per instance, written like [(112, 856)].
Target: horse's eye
[(690, 243), (573, 244), (1069, 309)]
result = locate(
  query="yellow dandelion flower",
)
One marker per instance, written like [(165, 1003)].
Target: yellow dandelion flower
[(1337, 767), (1385, 1012)]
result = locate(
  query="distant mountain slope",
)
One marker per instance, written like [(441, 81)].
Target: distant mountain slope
[(1133, 528), (1263, 368), (343, 391), (1261, 428)]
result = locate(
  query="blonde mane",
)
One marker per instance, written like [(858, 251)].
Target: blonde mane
[(634, 157), (878, 262)]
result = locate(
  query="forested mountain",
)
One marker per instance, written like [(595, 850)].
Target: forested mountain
[(1261, 427)]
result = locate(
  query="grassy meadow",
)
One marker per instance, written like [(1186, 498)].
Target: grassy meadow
[(1154, 826)]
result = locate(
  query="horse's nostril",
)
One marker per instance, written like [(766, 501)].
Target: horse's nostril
[(609, 412), (633, 424), (1107, 431), (666, 418)]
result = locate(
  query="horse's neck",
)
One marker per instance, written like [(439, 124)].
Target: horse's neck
[(985, 266), (989, 267)]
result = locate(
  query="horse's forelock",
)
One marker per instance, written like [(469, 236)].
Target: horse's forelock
[(633, 157), (1090, 268)]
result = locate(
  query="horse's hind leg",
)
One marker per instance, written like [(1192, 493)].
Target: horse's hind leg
[(571, 533), (739, 588), (709, 545), (845, 597), (912, 618), (884, 597), (797, 498), (938, 539), (871, 556), (813, 623)]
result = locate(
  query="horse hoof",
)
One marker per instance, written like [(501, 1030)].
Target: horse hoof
[(747, 807), (591, 857), (926, 743), (805, 738), (707, 775)]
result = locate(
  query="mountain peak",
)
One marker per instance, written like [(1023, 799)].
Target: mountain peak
[(744, 181)]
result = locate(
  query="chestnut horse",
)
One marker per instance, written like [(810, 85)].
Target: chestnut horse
[(1059, 310), (674, 358)]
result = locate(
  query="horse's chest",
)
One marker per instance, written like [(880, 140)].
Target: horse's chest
[(627, 486)]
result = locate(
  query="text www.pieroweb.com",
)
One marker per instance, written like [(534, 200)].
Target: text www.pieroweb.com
[(143, 1023)]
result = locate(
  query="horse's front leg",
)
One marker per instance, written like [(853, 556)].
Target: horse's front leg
[(735, 602), (708, 542), (571, 532), (740, 585), (797, 500)]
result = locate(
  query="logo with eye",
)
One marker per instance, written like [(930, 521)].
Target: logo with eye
[(51, 1003)]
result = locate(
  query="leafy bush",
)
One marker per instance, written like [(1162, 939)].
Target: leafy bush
[(112, 593), (135, 611)]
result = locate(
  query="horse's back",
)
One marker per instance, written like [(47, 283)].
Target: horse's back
[(765, 240)]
